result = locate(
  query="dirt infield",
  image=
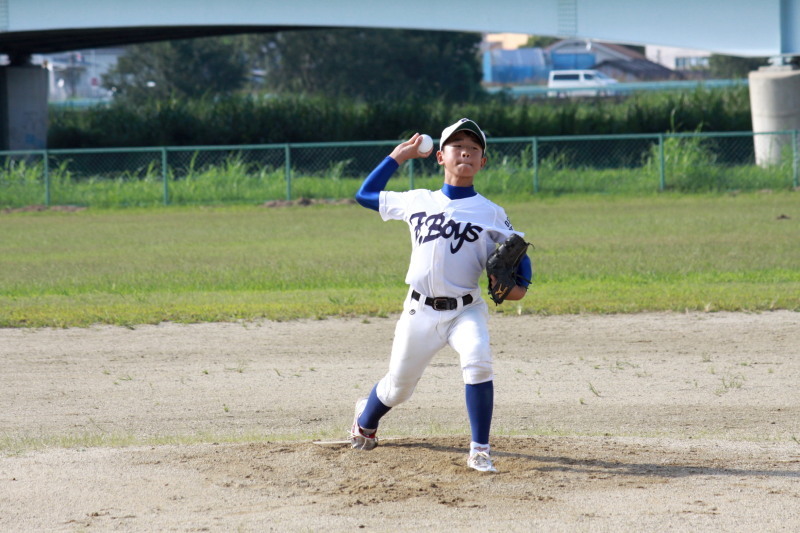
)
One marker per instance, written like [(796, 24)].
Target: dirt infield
[(651, 422)]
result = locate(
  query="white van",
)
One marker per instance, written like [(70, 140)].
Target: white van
[(594, 81)]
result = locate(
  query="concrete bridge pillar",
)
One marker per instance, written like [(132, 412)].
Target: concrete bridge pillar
[(23, 106), (774, 106)]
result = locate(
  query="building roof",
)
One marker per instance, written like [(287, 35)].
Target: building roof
[(642, 69), (622, 52), (520, 56)]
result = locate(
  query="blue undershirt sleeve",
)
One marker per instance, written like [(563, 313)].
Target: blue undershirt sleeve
[(524, 272), (369, 193)]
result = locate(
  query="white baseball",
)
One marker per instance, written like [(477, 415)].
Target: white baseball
[(426, 144)]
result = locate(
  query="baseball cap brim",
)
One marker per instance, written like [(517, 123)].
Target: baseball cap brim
[(463, 124)]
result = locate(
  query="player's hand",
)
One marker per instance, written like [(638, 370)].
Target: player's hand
[(408, 150), (517, 293)]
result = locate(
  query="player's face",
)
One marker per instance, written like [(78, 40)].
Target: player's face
[(462, 156)]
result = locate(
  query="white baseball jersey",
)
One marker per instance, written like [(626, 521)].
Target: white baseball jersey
[(450, 239)]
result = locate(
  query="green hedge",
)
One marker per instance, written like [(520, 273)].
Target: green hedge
[(292, 119)]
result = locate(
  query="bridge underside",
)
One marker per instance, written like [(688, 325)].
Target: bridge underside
[(23, 87), (25, 43)]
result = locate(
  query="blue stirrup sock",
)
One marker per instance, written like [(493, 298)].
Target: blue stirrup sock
[(373, 411), (480, 403)]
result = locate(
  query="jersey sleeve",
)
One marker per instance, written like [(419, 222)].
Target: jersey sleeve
[(393, 205), (502, 225)]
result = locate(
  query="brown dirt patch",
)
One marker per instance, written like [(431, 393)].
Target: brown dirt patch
[(625, 423)]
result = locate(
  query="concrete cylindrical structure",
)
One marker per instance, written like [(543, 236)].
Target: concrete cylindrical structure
[(774, 106), (23, 107)]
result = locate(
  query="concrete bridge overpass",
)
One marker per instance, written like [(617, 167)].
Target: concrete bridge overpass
[(734, 27)]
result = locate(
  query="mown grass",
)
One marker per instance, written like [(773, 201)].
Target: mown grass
[(603, 254)]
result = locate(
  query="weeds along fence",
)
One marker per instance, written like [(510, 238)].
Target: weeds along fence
[(686, 162)]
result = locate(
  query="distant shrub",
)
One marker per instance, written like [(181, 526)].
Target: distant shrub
[(250, 119)]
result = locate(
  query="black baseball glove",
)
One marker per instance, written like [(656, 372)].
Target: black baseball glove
[(502, 265)]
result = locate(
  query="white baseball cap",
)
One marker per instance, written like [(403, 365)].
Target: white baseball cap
[(463, 124)]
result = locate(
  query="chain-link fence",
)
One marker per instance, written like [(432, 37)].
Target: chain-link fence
[(690, 162)]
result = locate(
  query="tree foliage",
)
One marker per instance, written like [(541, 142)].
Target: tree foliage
[(540, 41), (731, 67), (371, 63), (247, 119), (188, 68)]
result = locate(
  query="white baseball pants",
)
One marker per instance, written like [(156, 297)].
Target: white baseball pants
[(421, 332)]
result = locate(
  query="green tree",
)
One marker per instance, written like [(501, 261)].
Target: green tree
[(731, 67), (540, 41), (373, 64), (188, 68)]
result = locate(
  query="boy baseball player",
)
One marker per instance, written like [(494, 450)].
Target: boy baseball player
[(453, 231)]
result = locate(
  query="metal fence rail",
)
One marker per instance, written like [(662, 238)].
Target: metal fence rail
[(257, 173)]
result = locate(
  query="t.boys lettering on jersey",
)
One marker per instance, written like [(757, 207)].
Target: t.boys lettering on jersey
[(439, 227)]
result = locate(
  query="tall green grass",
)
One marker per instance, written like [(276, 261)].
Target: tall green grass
[(299, 118), (593, 254), (690, 165)]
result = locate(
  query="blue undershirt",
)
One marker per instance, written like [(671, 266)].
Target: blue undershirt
[(457, 193)]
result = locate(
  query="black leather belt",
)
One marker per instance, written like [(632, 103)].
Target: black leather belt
[(442, 303)]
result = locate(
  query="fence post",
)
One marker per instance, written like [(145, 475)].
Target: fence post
[(794, 160), (661, 180), (535, 160), (164, 174), (287, 156), (46, 169)]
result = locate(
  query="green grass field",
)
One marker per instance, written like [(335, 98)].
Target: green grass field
[(604, 254)]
